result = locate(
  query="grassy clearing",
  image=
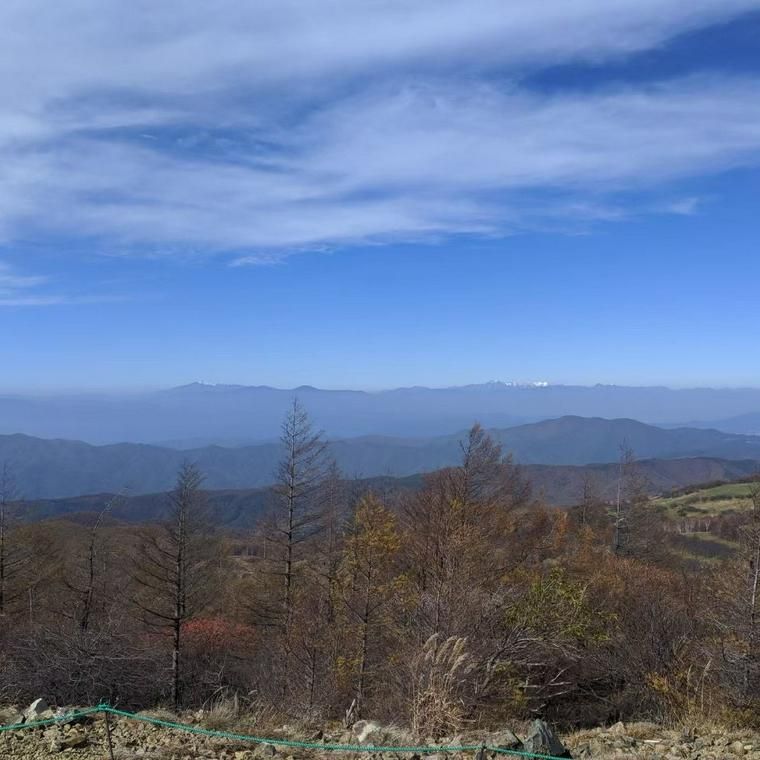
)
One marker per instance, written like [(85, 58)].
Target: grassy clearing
[(707, 501)]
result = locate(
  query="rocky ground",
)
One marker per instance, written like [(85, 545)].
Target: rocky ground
[(86, 739), (646, 740)]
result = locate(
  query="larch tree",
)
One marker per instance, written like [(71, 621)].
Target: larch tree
[(335, 504), (313, 639), (298, 492), (174, 572), (371, 586), (452, 529)]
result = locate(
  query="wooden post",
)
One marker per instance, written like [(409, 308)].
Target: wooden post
[(108, 736)]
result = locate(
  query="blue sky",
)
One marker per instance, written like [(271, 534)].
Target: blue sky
[(370, 194)]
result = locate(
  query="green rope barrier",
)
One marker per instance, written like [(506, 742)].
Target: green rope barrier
[(286, 742), (198, 730), (371, 748)]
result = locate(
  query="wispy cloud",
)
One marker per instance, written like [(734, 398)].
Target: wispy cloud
[(32, 290), (11, 281), (20, 290), (425, 160), (284, 125), (31, 300), (684, 206)]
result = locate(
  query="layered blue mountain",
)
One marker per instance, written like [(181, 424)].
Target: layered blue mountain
[(57, 468)]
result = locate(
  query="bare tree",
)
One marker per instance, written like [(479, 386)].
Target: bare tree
[(300, 475), (174, 570), (620, 524), (85, 586), (633, 520)]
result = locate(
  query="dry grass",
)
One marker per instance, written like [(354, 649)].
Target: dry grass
[(440, 672)]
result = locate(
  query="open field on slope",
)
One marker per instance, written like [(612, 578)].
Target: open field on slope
[(713, 500)]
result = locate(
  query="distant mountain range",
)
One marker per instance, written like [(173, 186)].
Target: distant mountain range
[(59, 468), (197, 415)]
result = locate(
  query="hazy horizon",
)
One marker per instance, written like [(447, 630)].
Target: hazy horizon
[(84, 390)]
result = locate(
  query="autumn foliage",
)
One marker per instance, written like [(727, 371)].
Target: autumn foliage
[(463, 603)]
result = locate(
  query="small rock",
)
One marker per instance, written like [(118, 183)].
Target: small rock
[(506, 740), (73, 740)]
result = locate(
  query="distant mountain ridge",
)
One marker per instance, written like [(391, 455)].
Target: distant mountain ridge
[(58, 468), (199, 413), (583, 440), (748, 424)]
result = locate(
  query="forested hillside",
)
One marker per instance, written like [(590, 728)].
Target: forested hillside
[(462, 601), (555, 485)]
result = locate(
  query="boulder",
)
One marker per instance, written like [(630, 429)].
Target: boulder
[(542, 740), (37, 707), (362, 730), (38, 710)]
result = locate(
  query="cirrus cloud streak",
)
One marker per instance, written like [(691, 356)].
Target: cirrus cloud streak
[(281, 126)]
